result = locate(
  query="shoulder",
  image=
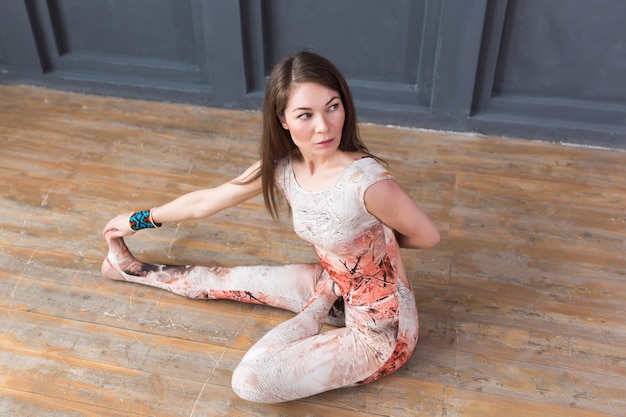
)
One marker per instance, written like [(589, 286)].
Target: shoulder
[(367, 171), (387, 201)]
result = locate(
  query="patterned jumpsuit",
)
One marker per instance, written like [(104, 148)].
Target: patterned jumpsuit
[(359, 259)]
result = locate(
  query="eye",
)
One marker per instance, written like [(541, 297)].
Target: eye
[(334, 106), (304, 116)]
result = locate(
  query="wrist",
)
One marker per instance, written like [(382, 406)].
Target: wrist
[(142, 220)]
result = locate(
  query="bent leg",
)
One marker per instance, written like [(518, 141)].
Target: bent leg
[(289, 287), (294, 360)]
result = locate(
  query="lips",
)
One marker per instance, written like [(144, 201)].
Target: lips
[(326, 142)]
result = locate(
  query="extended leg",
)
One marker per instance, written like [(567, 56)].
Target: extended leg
[(288, 287)]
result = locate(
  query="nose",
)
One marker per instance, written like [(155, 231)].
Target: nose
[(322, 124)]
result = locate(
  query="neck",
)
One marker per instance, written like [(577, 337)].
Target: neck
[(315, 163)]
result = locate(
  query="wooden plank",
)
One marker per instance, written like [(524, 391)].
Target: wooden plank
[(459, 402), (520, 305), (64, 347), (20, 403), (547, 385)]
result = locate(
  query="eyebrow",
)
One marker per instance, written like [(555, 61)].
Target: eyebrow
[(308, 108)]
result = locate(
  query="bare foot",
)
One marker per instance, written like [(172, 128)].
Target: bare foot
[(120, 263), (109, 271)]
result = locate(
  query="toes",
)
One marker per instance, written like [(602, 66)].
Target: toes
[(109, 271)]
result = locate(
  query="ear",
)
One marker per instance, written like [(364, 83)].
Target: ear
[(281, 119)]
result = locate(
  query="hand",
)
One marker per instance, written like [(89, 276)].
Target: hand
[(118, 227)]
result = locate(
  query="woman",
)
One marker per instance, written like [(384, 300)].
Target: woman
[(343, 202)]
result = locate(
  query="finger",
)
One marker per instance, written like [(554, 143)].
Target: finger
[(109, 233)]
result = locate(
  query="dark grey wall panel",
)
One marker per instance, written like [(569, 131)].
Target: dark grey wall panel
[(18, 39), (4, 61), (152, 29), (148, 46), (552, 70), (386, 50), (458, 50), (564, 48), (358, 42), (221, 20)]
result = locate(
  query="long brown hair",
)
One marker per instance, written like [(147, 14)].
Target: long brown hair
[(276, 142)]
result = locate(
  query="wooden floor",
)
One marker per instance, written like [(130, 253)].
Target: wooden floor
[(522, 305)]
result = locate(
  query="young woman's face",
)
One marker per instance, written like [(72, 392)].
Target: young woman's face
[(314, 116)]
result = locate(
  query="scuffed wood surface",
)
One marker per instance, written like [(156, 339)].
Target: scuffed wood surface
[(522, 305)]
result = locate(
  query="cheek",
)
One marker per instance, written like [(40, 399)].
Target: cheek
[(338, 119), (342, 117), (298, 133)]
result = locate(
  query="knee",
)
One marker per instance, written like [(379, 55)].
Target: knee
[(247, 385)]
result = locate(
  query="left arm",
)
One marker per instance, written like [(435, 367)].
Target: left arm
[(392, 205)]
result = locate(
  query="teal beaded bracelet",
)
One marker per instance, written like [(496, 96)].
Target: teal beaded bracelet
[(142, 220)]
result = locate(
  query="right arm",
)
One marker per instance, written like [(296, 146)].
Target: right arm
[(195, 205)]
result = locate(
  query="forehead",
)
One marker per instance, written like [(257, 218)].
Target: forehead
[(310, 94)]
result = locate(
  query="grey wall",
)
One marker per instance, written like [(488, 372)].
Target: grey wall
[(547, 69)]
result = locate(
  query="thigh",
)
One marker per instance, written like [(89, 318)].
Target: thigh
[(334, 359)]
